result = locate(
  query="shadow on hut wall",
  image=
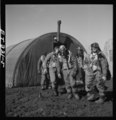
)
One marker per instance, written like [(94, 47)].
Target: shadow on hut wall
[(70, 45), (64, 41), (26, 70), (67, 42), (23, 75)]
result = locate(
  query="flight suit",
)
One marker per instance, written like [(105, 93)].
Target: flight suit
[(54, 69), (99, 68), (44, 75), (80, 78), (69, 69)]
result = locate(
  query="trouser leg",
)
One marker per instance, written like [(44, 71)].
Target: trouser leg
[(43, 78), (80, 81), (52, 73), (52, 77), (73, 86), (47, 81), (100, 84), (72, 82), (67, 81), (90, 86), (89, 80)]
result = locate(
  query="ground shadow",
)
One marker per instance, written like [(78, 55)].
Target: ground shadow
[(60, 80), (82, 93), (109, 96)]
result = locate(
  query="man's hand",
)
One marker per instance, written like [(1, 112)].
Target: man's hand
[(104, 78), (45, 71), (59, 75)]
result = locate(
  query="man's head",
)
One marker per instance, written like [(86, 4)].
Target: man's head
[(62, 48), (55, 39), (95, 47), (79, 51), (56, 49)]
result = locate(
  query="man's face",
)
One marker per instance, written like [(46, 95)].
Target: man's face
[(62, 51), (56, 50), (93, 49)]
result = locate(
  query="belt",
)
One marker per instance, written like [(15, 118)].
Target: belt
[(52, 67), (66, 69)]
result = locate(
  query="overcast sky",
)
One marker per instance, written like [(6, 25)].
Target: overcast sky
[(87, 23)]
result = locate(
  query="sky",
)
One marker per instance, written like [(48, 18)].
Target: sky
[(87, 23)]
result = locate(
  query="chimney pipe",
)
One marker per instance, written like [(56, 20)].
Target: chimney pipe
[(58, 31)]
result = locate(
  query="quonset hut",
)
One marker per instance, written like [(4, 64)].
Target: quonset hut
[(22, 58)]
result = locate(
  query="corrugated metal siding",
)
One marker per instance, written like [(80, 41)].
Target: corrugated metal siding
[(11, 60)]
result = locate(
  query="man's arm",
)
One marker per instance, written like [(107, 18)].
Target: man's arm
[(75, 64), (104, 66), (58, 68), (46, 59), (39, 65)]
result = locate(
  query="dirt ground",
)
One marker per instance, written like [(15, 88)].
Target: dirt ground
[(27, 102)]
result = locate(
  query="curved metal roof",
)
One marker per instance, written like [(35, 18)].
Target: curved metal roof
[(9, 48), (12, 57)]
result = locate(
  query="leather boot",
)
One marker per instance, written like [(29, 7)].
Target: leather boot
[(43, 87), (91, 97), (100, 100), (55, 92)]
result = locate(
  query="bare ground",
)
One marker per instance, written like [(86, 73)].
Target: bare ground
[(26, 102)]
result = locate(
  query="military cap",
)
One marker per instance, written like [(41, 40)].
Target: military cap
[(95, 45)]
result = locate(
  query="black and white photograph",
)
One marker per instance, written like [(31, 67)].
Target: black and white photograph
[(58, 60)]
